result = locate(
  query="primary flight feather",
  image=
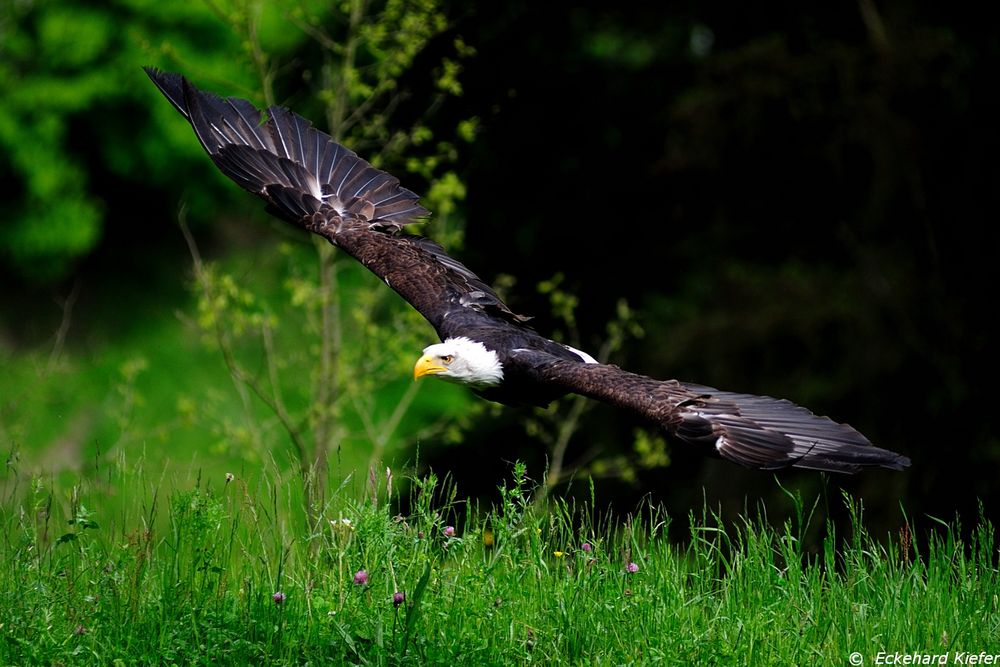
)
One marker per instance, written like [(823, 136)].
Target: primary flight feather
[(311, 181)]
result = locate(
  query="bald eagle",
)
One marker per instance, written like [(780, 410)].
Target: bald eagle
[(313, 182)]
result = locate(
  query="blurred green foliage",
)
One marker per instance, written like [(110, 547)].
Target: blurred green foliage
[(74, 80), (74, 151), (68, 78), (159, 391)]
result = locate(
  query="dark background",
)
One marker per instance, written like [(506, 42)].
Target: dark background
[(798, 201), (805, 209)]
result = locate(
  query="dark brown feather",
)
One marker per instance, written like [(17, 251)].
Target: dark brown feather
[(754, 431)]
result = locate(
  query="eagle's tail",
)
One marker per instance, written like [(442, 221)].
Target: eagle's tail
[(281, 157)]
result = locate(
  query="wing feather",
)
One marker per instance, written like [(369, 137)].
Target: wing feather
[(754, 431), (312, 181), (331, 158)]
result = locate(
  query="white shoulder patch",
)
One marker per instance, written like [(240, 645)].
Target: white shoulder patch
[(587, 359)]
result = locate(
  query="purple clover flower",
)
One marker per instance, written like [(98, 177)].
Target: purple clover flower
[(360, 578), (449, 531), (632, 567), (398, 598), (278, 597), (586, 546)]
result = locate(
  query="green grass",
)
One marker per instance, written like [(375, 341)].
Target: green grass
[(188, 576)]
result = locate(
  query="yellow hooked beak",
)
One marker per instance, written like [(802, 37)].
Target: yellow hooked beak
[(427, 365)]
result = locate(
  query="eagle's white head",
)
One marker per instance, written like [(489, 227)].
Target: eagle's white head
[(460, 360)]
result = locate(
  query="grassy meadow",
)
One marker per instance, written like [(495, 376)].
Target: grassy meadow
[(222, 571)]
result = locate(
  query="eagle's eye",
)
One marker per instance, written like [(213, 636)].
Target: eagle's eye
[(447, 359)]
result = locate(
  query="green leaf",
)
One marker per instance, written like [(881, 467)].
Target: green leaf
[(414, 609)]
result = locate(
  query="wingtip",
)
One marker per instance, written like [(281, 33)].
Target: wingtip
[(160, 77), (899, 463), (172, 85), (852, 462)]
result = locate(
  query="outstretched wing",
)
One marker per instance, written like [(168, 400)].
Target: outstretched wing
[(754, 431), (310, 180)]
